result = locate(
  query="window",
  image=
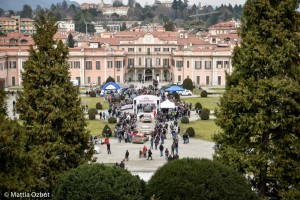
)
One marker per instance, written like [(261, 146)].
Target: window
[(140, 61), (109, 64), (219, 64), (99, 80), (207, 64), (179, 78), (166, 49), (88, 65), (226, 64), (130, 62), (157, 61), (198, 80), (13, 64), (13, 81), (70, 64), (77, 64), (173, 49), (179, 64), (197, 64), (219, 80), (130, 49), (118, 65), (118, 79), (187, 64), (157, 49), (207, 80), (166, 62), (98, 65), (148, 51), (89, 79), (140, 49)]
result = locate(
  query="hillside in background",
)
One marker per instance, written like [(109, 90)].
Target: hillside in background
[(17, 5)]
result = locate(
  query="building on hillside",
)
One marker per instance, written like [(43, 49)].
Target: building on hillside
[(167, 3), (66, 25), (86, 6), (123, 10), (17, 25), (134, 56)]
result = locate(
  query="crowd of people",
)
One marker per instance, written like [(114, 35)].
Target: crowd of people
[(166, 123)]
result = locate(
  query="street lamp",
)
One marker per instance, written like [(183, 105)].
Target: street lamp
[(86, 37)]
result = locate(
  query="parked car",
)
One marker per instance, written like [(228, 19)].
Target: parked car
[(145, 129), (185, 93), (139, 139), (179, 83), (146, 118)]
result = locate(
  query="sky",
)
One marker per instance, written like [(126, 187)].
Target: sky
[(191, 2)]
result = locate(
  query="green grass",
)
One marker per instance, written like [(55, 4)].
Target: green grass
[(91, 102), (206, 102), (217, 88), (204, 129), (96, 126)]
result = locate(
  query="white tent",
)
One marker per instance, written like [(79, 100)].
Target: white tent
[(167, 104), (110, 87)]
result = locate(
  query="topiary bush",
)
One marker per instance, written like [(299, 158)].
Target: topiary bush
[(194, 179), (198, 106), (92, 112), (204, 114), (203, 93), (98, 181), (185, 120), (99, 106), (106, 130), (188, 84), (176, 96), (92, 93), (112, 120), (110, 79), (190, 131)]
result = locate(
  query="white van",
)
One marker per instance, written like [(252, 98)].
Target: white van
[(75, 82)]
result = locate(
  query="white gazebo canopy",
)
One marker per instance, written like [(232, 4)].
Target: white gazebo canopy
[(167, 104)]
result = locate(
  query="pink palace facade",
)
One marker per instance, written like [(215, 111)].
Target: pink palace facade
[(133, 56)]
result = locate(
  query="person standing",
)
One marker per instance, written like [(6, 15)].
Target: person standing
[(122, 164), (161, 148), (108, 148), (167, 153), (127, 155), (149, 154)]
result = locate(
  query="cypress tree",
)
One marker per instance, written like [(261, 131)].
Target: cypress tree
[(49, 105), (70, 41), (259, 112)]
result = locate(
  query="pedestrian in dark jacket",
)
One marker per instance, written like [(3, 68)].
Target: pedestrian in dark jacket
[(161, 148), (108, 148), (149, 154), (127, 155)]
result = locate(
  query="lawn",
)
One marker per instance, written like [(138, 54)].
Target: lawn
[(206, 102), (96, 126), (204, 129), (91, 101)]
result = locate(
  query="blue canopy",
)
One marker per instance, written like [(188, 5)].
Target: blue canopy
[(116, 86), (174, 88)]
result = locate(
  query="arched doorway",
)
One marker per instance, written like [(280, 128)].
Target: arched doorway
[(148, 75), (166, 75)]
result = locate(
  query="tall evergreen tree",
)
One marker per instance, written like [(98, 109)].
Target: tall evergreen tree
[(70, 41), (259, 112), (51, 110)]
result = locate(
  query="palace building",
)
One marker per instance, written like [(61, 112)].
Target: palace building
[(133, 56)]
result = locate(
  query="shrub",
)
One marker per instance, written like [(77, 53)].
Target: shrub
[(198, 106), (92, 112), (190, 131), (176, 96), (99, 106), (204, 115), (195, 179), (112, 120), (92, 93), (203, 93), (185, 120), (188, 84), (104, 131), (98, 181), (110, 79)]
